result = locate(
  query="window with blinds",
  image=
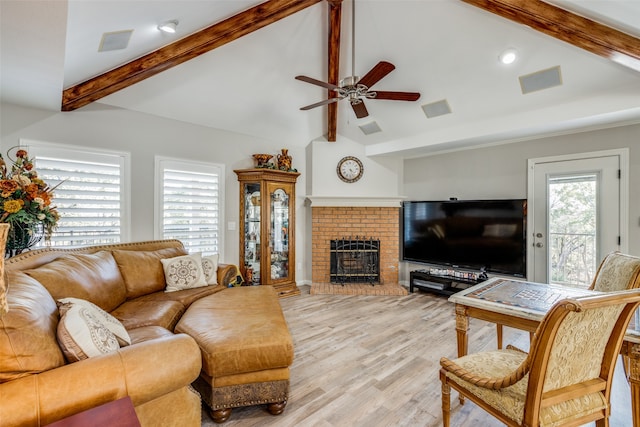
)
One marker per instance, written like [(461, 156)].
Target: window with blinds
[(89, 194), (189, 207)]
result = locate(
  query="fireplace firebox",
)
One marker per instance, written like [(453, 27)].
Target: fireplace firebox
[(355, 260)]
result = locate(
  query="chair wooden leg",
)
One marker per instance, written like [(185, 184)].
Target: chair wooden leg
[(499, 335), (446, 403)]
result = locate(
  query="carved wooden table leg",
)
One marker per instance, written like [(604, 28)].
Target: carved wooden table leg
[(632, 352), (462, 326)]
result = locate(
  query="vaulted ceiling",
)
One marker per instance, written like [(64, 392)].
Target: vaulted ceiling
[(231, 65)]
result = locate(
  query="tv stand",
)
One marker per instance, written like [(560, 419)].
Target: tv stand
[(444, 284)]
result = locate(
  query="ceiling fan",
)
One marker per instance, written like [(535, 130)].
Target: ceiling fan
[(357, 89)]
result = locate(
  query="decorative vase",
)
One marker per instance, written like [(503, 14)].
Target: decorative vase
[(284, 160), (23, 236), (4, 307), (262, 160)]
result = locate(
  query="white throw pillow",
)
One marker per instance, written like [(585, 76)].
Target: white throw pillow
[(105, 318), (210, 268), (81, 334), (183, 272)]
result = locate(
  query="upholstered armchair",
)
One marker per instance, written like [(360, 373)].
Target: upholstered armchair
[(616, 272), (565, 380)]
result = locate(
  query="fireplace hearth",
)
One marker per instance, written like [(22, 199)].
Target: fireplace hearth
[(355, 260)]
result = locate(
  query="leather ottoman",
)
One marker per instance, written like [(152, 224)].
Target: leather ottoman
[(246, 349)]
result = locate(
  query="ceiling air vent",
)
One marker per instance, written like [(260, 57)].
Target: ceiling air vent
[(435, 109), (370, 128), (541, 80), (115, 41)]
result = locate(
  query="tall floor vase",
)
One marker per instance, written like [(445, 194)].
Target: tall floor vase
[(4, 229)]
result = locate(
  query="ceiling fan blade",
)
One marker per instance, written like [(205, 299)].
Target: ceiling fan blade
[(317, 82), (381, 69), (360, 110), (318, 104), (397, 96)]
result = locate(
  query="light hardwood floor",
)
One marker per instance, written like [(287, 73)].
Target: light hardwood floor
[(373, 361)]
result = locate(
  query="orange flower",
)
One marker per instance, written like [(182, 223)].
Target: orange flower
[(32, 190), (8, 186), (46, 198), (21, 154)]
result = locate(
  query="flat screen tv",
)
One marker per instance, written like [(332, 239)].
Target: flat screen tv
[(484, 235)]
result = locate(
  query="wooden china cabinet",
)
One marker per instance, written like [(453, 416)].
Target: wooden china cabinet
[(267, 228)]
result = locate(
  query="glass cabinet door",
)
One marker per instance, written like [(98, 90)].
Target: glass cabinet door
[(279, 199), (267, 229), (252, 220)]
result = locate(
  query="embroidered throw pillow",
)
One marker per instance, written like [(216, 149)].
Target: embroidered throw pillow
[(113, 324), (210, 268), (183, 272), (81, 335)]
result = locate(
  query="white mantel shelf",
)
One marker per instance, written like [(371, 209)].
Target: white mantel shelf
[(369, 202)]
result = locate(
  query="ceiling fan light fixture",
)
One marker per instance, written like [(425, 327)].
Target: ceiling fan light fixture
[(169, 26), (508, 56)]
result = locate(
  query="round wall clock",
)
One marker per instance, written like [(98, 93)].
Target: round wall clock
[(350, 169)]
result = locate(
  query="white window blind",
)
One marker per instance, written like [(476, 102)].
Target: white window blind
[(88, 195), (190, 207)]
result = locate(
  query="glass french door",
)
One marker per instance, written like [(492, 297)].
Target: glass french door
[(576, 218)]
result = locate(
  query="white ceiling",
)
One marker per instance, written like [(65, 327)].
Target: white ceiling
[(444, 49)]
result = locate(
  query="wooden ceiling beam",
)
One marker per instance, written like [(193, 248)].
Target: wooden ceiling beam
[(181, 51), (335, 18), (581, 32)]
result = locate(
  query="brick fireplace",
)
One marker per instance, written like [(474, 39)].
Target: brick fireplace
[(344, 221)]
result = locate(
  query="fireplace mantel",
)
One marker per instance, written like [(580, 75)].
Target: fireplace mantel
[(338, 201)]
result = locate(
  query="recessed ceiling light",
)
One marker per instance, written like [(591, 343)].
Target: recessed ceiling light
[(508, 56), (169, 26)]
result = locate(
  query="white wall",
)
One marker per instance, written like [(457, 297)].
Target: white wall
[(492, 172), (381, 177), (501, 171), (145, 136)]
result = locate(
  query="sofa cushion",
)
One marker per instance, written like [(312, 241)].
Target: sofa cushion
[(82, 334), (28, 342), (147, 333), (105, 318), (183, 272), (210, 268), (93, 277), (137, 313), (142, 270), (185, 297)]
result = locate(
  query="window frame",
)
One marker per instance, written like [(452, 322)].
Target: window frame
[(163, 162), (82, 153)]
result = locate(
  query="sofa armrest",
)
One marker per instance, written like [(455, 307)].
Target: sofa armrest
[(143, 371), (227, 273)]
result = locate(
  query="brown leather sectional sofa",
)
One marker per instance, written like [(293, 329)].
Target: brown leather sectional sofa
[(38, 386)]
